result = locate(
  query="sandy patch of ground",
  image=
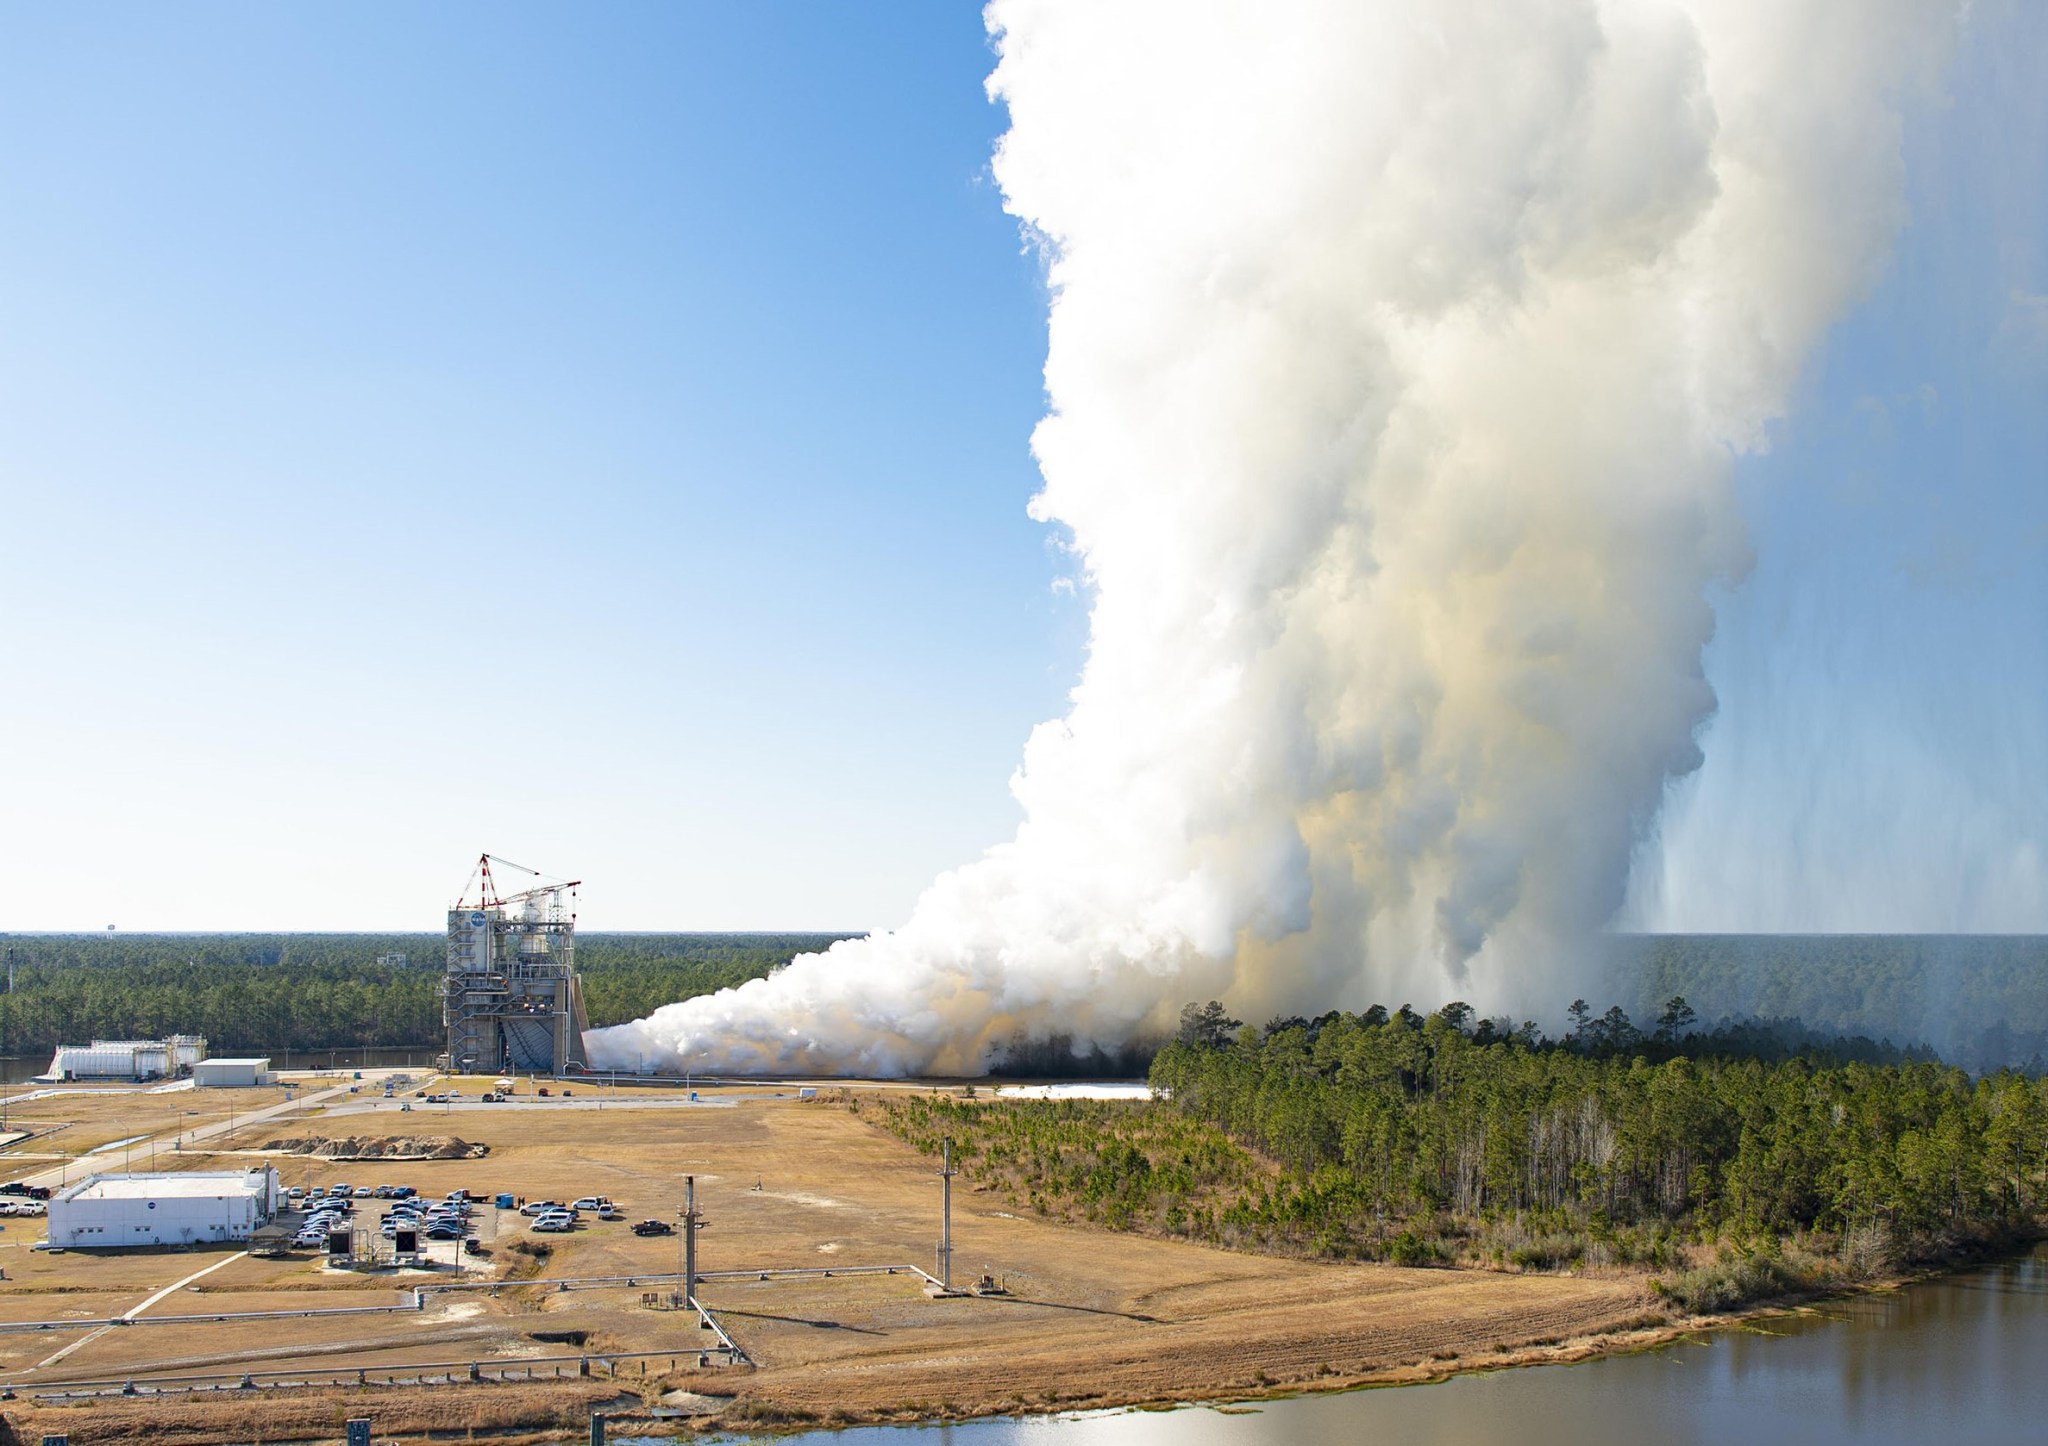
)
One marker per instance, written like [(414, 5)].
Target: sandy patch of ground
[(1093, 1318)]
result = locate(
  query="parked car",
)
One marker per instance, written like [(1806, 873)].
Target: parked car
[(589, 1202), (473, 1246), (610, 1212), (554, 1224), (364, 1192), (654, 1227), (444, 1232), (538, 1207)]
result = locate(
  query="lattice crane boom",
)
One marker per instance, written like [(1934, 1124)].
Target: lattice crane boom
[(486, 886)]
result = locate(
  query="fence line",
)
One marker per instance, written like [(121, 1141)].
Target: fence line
[(420, 1375), (11, 1327), (605, 1366)]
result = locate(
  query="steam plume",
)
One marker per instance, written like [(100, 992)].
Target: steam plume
[(1398, 358)]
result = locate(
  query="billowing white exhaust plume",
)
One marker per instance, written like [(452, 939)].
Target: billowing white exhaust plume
[(1398, 358)]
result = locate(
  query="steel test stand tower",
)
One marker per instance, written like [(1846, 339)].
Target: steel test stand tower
[(510, 1000)]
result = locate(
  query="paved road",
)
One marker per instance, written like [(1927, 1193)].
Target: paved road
[(199, 1133), (423, 1114)]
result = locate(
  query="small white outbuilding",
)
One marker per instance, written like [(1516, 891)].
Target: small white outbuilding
[(232, 1073), (173, 1208)]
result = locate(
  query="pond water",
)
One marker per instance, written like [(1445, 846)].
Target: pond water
[(1962, 1359)]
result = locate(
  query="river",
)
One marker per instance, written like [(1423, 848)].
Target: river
[(1963, 1359)]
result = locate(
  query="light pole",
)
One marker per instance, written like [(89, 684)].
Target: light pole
[(692, 1223), (946, 1173)]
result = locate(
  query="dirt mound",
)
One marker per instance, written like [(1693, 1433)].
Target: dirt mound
[(381, 1147)]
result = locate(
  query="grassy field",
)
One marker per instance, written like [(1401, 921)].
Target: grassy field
[(1092, 1317)]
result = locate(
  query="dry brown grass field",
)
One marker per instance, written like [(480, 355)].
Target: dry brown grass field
[(1091, 1318)]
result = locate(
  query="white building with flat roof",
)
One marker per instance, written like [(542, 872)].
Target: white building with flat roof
[(218, 1073), (173, 1208)]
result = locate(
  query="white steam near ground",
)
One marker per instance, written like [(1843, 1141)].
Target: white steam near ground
[(1399, 357)]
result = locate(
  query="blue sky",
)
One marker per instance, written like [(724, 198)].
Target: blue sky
[(600, 435), (1883, 671)]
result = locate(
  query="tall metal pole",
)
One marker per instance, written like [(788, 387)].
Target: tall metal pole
[(946, 1173), (690, 1241)]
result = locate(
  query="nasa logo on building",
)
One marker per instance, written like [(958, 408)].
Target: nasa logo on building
[(479, 918)]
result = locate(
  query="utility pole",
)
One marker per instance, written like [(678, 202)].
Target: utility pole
[(692, 1223), (946, 1174)]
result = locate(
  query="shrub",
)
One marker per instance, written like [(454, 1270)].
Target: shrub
[(1409, 1248), (1728, 1284)]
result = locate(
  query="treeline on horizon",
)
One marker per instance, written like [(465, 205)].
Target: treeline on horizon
[(1437, 1139), (1980, 1000), (272, 992)]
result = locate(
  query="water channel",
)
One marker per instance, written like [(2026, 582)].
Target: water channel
[(1961, 1359)]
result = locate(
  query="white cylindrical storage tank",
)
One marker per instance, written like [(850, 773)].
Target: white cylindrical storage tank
[(99, 1059)]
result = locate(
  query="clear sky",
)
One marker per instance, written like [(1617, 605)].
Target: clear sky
[(1880, 761), (599, 435)]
